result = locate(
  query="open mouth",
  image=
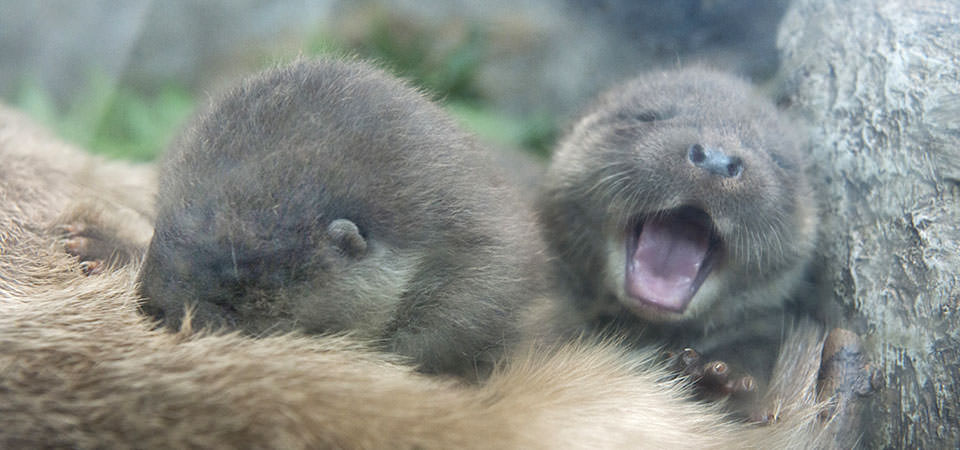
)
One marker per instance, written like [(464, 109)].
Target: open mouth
[(669, 255)]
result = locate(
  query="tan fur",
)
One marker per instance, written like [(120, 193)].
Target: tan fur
[(79, 367), (84, 384), (42, 182)]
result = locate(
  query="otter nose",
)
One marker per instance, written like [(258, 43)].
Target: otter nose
[(715, 161)]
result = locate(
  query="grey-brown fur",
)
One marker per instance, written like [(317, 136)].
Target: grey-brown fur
[(83, 369), (632, 157), (328, 196)]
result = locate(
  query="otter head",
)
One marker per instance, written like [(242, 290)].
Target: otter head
[(280, 207), (234, 267), (328, 196), (681, 195)]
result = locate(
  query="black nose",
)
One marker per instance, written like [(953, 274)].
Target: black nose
[(715, 161)]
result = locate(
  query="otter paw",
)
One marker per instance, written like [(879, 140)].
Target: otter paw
[(90, 246), (712, 379), (92, 267)]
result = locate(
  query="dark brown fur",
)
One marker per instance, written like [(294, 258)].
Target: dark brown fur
[(631, 159)]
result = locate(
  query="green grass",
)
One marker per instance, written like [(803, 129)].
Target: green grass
[(445, 62), (116, 121), (412, 52), (535, 134), (122, 122)]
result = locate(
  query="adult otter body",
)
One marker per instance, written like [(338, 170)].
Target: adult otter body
[(677, 205), (329, 196)]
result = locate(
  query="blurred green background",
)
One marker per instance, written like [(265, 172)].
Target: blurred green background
[(120, 77), (119, 120)]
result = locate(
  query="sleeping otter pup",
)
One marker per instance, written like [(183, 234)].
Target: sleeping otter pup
[(329, 196)]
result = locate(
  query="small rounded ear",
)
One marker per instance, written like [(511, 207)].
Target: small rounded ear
[(345, 236)]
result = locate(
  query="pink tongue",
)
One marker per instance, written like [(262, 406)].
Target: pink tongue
[(665, 264)]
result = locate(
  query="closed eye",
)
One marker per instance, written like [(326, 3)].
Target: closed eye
[(779, 160), (646, 115)]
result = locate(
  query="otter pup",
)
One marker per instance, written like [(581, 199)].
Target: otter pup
[(83, 369), (329, 196), (679, 201)]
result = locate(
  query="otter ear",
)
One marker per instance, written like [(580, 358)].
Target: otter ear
[(345, 236)]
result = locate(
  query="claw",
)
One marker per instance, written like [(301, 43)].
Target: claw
[(713, 379), (89, 246), (690, 363), (743, 385), (764, 417), (92, 267), (715, 373), (73, 229), (76, 246)]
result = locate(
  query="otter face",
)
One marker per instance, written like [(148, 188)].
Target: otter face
[(240, 276), (679, 195)]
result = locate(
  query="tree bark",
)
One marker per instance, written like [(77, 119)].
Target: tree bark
[(879, 83)]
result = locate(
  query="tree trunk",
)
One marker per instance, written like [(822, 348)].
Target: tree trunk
[(879, 83)]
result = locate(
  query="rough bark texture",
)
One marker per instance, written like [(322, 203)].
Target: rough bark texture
[(879, 82)]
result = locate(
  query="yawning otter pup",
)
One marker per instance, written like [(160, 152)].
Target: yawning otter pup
[(679, 200)]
